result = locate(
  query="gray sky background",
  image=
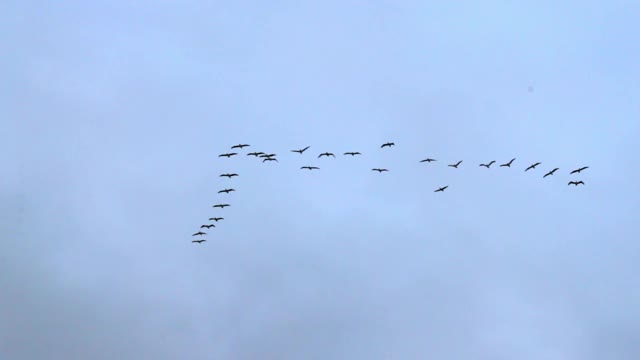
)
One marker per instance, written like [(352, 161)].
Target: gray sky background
[(113, 114)]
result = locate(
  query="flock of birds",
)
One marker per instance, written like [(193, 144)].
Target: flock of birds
[(272, 157)]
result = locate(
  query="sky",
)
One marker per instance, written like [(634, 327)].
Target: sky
[(113, 115)]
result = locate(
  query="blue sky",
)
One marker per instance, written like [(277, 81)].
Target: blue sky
[(113, 114)]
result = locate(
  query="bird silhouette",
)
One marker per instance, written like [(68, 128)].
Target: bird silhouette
[(352, 153), (579, 170), (310, 167), (256, 154), (442, 189), (576, 183), (456, 165), (216, 219), (508, 164), (269, 159), (387, 144), (327, 154), (488, 165), (532, 166), (227, 154), (199, 233), (221, 206), (226, 191), (198, 241), (240, 146), (379, 170), (300, 151), (207, 226), (550, 173), (229, 175), (428, 160), (267, 155)]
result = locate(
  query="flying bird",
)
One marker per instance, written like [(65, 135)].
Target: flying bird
[(379, 170), (198, 241), (269, 159), (508, 164), (327, 154), (267, 155), (387, 144), (226, 191), (532, 166), (352, 153), (576, 183), (199, 233), (579, 170), (300, 151), (229, 175), (310, 167), (221, 206), (488, 165), (240, 146), (442, 189), (227, 155), (216, 219), (428, 160), (207, 226), (550, 173), (256, 154), (456, 165)]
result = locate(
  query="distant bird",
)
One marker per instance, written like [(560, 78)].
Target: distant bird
[(216, 219), (456, 165), (199, 233), (269, 159), (532, 166), (221, 206), (207, 226), (352, 153), (508, 164), (387, 144), (300, 151), (579, 170), (488, 165), (428, 160), (229, 175), (576, 183), (267, 155), (327, 154), (198, 241), (240, 146), (226, 191), (442, 189), (227, 155), (550, 173), (256, 154), (379, 170), (310, 167)]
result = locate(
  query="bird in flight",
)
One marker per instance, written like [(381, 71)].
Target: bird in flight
[(229, 175), (216, 219), (221, 206), (488, 165), (379, 170), (442, 189), (300, 151), (240, 146), (387, 144), (579, 170), (227, 154), (532, 166), (352, 153), (576, 183), (327, 154), (310, 167), (456, 164), (198, 241), (508, 164), (550, 173), (226, 191), (256, 154), (428, 160), (269, 159), (207, 226), (199, 233), (263, 155)]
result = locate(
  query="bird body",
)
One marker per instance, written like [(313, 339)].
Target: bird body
[(508, 164), (221, 206), (240, 146), (216, 219), (227, 154), (327, 154), (300, 151), (310, 167), (352, 153), (198, 241), (550, 172), (456, 164), (428, 160), (226, 191), (199, 233), (532, 166), (379, 170), (256, 153), (576, 183), (229, 175), (207, 226), (579, 170), (387, 144), (269, 159), (488, 165), (442, 189)]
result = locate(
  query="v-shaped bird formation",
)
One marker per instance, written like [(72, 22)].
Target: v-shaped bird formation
[(271, 157)]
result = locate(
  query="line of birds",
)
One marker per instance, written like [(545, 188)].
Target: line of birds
[(272, 157)]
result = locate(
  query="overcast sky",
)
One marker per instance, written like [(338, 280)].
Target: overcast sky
[(113, 113)]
